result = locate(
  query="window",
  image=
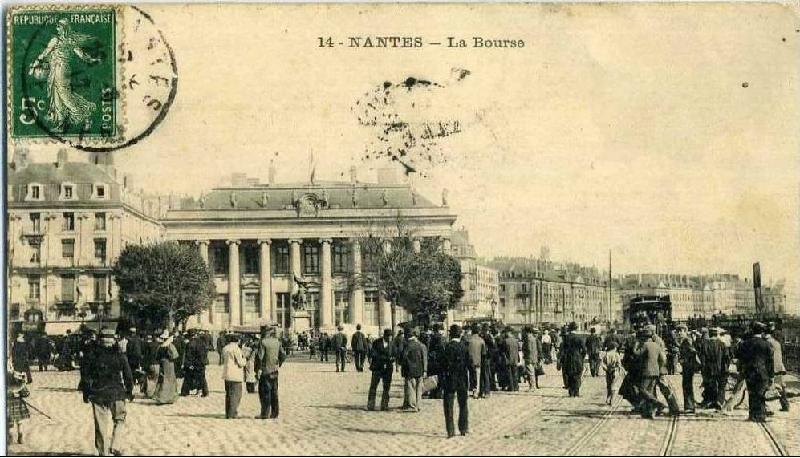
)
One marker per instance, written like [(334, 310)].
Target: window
[(36, 252), (68, 248), (341, 301), (34, 287), (69, 221), (251, 303), (67, 191), (371, 308), (99, 221), (100, 249), (312, 300), (524, 288), (67, 288), (221, 304), (310, 258), (282, 259), (341, 255), (100, 288), (503, 288), (251, 260), (34, 192), (99, 191), (220, 256), (14, 314), (282, 308), (36, 222)]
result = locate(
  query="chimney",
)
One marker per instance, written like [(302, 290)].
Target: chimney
[(387, 176), (62, 158), (20, 158), (239, 180), (127, 182), (272, 172)]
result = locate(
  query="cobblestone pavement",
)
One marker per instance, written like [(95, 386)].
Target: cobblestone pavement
[(323, 412)]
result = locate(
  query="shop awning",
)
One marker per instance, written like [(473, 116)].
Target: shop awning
[(59, 328)]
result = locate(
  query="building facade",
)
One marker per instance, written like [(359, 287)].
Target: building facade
[(262, 241), (481, 283), (536, 291), (67, 222)]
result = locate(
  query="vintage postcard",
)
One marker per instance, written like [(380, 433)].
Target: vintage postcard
[(514, 229)]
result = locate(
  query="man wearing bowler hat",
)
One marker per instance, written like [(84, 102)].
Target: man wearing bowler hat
[(455, 382), (108, 383), (382, 366)]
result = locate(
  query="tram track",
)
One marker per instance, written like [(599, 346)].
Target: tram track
[(669, 439), (575, 450), (780, 450)]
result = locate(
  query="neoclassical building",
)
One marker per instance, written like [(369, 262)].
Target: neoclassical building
[(261, 239)]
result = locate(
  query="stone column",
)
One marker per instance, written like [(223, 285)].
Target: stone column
[(233, 282), (265, 279), (326, 287), (202, 246), (294, 267), (384, 303), (357, 295)]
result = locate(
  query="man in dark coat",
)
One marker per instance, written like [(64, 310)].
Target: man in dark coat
[(221, 341), (107, 384), (134, 353), (339, 345), (573, 352), (629, 389), (511, 356), (358, 343), (455, 382), (756, 357), (715, 365), (689, 367), (593, 345), (194, 366), (399, 345), (180, 344), (44, 351), (382, 366), (435, 354), (324, 346), (487, 366)]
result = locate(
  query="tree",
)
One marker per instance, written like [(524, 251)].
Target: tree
[(426, 283), (164, 283)]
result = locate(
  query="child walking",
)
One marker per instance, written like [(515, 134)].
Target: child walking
[(16, 408)]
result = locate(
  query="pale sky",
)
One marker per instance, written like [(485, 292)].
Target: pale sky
[(622, 127)]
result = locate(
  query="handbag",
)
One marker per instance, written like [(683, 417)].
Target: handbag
[(538, 369)]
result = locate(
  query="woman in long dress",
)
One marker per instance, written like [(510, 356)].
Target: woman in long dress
[(167, 387), (66, 107)]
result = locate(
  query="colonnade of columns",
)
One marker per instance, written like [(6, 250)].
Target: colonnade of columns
[(268, 312)]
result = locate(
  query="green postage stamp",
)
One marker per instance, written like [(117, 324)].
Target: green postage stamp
[(93, 77), (63, 73)]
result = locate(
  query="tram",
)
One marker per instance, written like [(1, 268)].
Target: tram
[(641, 310)]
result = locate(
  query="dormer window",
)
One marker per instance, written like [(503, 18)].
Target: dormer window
[(35, 192), (68, 191), (99, 191)]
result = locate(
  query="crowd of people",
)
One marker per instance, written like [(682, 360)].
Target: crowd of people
[(461, 364)]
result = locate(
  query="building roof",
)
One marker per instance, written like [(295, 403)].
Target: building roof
[(49, 173), (333, 194)]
